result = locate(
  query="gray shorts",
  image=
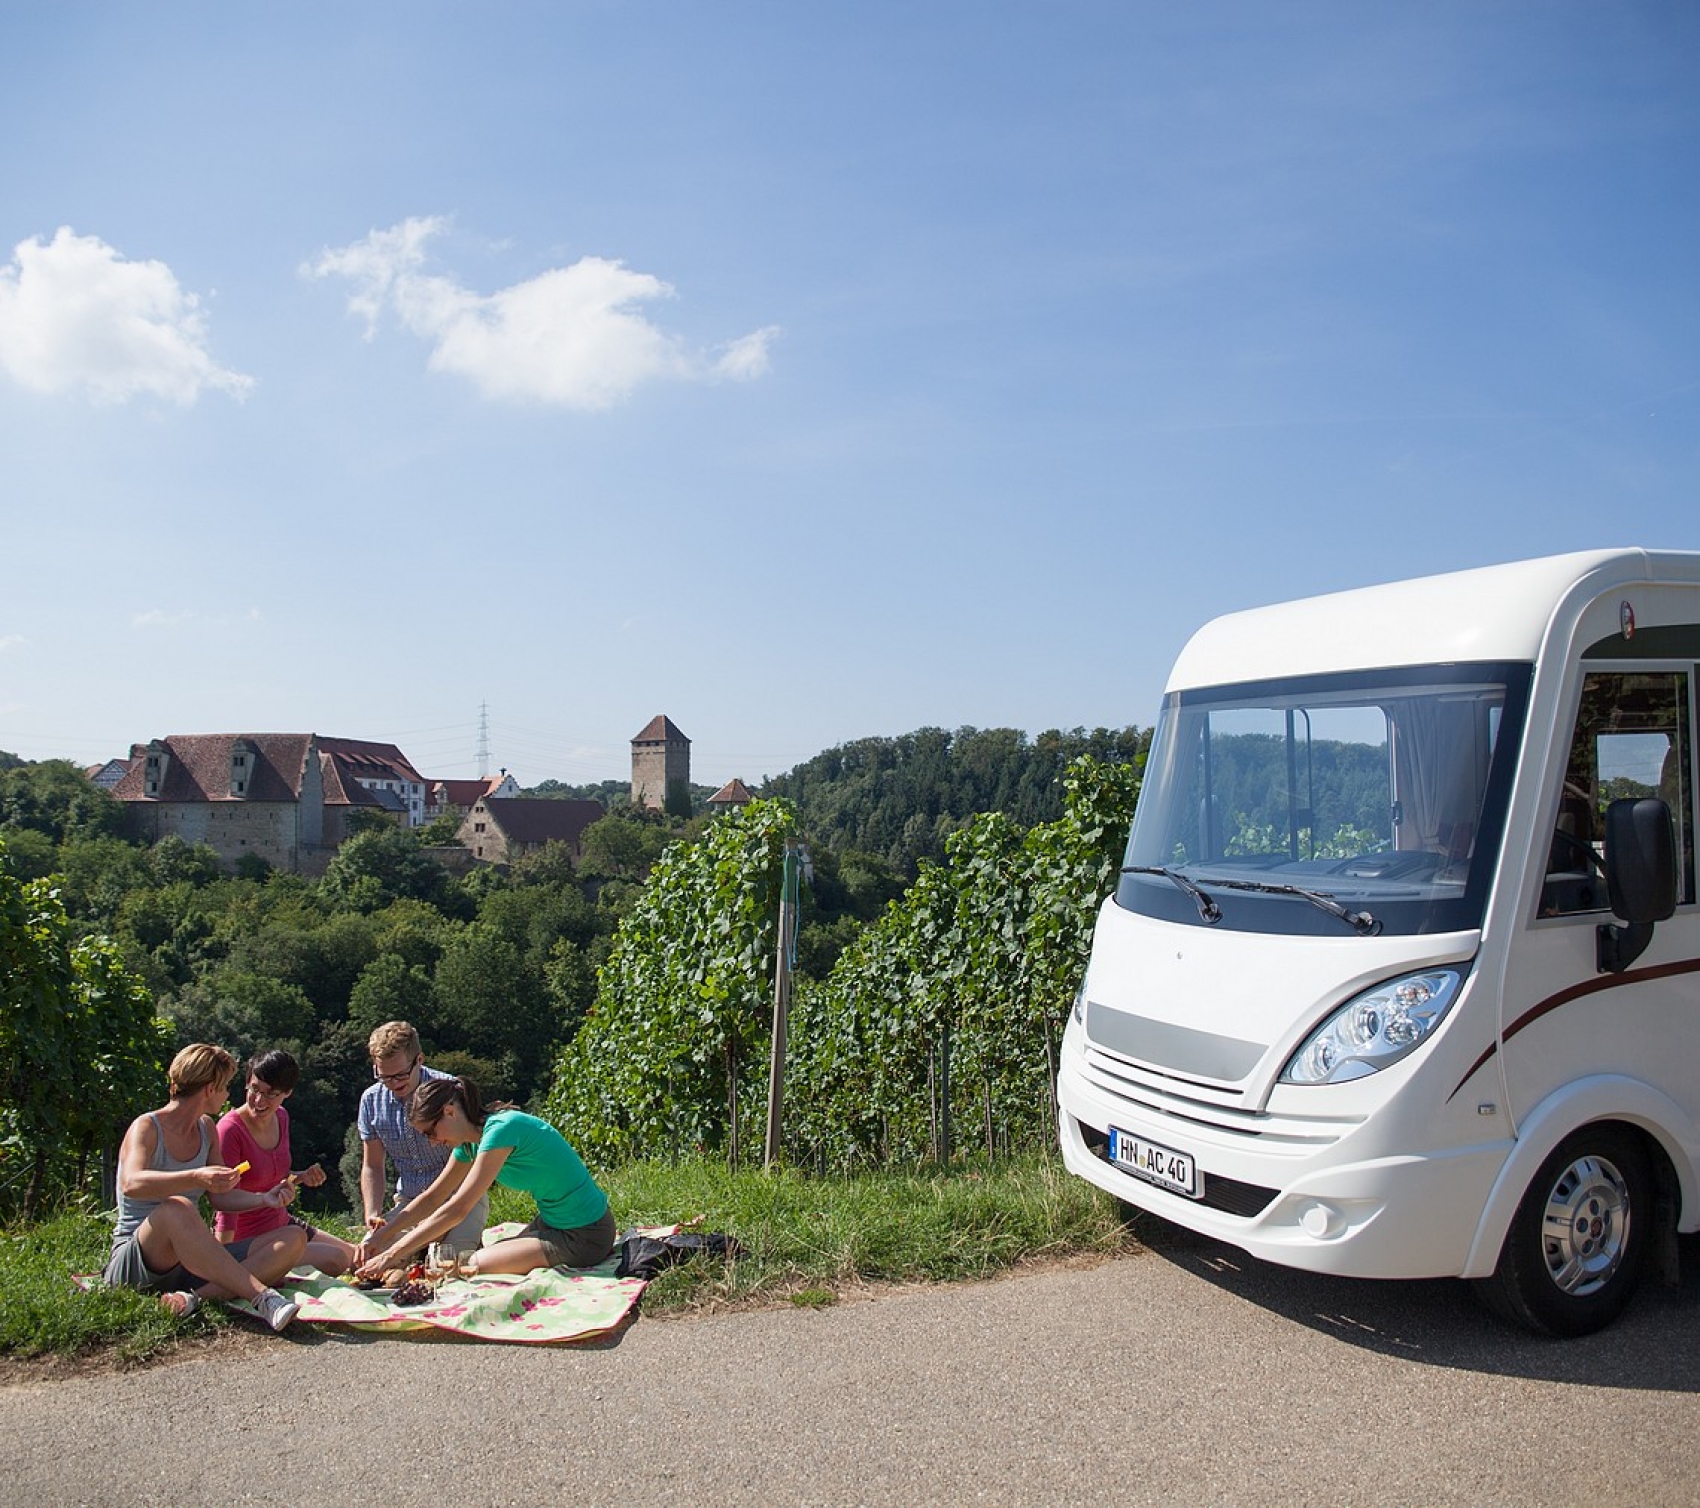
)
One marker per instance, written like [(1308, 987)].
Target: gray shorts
[(125, 1268), (583, 1246)]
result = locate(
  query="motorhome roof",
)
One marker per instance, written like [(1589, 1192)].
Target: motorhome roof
[(1492, 613)]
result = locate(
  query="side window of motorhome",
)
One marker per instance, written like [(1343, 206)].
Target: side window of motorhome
[(1632, 739)]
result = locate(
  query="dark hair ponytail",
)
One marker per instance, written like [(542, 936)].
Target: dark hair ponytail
[(434, 1096)]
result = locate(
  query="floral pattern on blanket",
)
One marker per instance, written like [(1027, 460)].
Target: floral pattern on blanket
[(547, 1304)]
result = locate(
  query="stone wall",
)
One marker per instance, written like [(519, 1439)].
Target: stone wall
[(267, 829), (658, 768)]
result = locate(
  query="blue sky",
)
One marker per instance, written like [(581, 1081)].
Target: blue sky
[(804, 372)]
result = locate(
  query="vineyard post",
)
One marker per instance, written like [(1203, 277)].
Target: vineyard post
[(944, 1093), (784, 958)]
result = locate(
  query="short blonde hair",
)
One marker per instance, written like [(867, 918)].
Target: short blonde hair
[(393, 1037), (199, 1066)]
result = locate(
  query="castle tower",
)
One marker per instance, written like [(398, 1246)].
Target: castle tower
[(661, 767)]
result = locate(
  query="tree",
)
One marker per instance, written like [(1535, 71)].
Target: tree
[(442, 831), (901, 798), (570, 978), (33, 855), (81, 1052), (165, 933), (621, 846), (492, 1004), (390, 989), (611, 793), (374, 868), (172, 859), (97, 873), (56, 798), (552, 864), (243, 1012), (322, 959)]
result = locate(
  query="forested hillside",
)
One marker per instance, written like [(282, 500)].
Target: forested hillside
[(899, 799), (500, 968)]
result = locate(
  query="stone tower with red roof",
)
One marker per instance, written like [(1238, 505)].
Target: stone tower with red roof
[(661, 765)]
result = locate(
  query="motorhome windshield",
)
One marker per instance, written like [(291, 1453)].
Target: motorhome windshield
[(1364, 802)]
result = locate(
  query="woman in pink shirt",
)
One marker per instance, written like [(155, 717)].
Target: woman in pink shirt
[(256, 1134)]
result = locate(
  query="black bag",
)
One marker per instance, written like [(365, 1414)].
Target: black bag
[(644, 1256)]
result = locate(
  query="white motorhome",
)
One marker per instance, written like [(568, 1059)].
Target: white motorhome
[(1402, 975)]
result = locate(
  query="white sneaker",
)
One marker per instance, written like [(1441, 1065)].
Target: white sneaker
[(275, 1309)]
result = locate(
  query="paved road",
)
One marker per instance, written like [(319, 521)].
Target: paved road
[(1183, 1373)]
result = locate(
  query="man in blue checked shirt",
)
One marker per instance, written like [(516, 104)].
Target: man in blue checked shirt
[(398, 1068)]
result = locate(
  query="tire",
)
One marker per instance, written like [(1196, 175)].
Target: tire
[(1579, 1239)]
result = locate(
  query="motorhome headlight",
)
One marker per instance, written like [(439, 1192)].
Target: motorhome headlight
[(1374, 1029), (1080, 1003)]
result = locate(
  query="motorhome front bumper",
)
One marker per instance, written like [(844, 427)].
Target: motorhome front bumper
[(1312, 1208)]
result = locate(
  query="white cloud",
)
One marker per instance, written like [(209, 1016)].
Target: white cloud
[(159, 617), (75, 314), (11, 641), (574, 336), (747, 357)]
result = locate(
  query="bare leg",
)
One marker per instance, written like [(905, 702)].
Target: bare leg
[(175, 1233), (329, 1254), (516, 1254), (269, 1257)]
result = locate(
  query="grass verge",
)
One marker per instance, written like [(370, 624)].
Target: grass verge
[(821, 1236), (805, 1240)]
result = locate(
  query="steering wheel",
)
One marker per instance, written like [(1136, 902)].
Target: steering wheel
[(1590, 859)]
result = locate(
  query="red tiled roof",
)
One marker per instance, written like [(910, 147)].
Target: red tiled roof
[(465, 794), (661, 730), (373, 761), (198, 768), (342, 788), (733, 793), (537, 819)]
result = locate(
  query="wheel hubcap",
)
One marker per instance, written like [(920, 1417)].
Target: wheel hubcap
[(1585, 1228)]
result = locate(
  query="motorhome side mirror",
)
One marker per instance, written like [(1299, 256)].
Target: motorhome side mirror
[(1640, 864)]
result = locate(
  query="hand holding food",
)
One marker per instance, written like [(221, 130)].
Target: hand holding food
[(375, 1265)]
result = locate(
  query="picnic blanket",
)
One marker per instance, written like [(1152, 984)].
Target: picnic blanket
[(546, 1305)]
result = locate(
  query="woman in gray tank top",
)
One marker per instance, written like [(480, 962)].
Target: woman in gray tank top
[(160, 1241)]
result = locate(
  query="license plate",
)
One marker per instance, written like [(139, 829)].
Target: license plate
[(1163, 1166)]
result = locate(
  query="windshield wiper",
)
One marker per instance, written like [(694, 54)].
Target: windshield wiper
[(1361, 921), (1207, 908)]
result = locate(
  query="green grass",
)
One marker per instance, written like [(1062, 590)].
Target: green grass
[(805, 1241), (42, 1312), (803, 1234)]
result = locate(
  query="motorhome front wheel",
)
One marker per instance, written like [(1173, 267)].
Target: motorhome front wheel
[(1574, 1252)]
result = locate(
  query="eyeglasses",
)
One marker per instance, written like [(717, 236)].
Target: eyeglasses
[(396, 1078), (265, 1091)]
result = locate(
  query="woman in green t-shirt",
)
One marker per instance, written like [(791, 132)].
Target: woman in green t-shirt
[(574, 1226)]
